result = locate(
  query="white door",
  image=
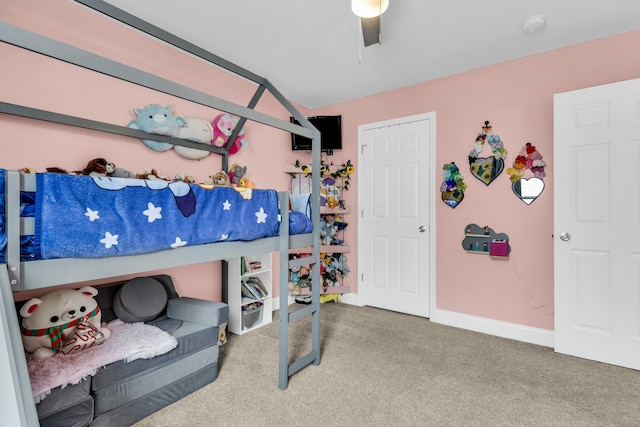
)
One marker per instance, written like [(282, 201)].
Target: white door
[(597, 223), (395, 220)]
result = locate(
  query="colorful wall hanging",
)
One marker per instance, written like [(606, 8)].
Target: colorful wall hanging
[(527, 189), (453, 186), (486, 169)]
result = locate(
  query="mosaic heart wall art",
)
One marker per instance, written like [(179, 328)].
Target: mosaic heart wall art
[(453, 186), (487, 169), (529, 159)]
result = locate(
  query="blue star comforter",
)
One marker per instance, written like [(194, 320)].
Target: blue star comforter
[(92, 217)]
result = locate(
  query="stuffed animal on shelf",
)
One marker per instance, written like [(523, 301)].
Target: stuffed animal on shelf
[(330, 279), (221, 179), (338, 265), (327, 232), (236, 175), (97, 167), (223, 125), (195, 130), (56, 169), (329, 193), (294, 280), (330, 298), (160, 120), (122, 173), (64, 320), (188, 179), (299, 277), (154, 174), (339, 223)]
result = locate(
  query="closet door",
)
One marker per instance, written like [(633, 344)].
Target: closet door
[(396, 220), (597, 223)]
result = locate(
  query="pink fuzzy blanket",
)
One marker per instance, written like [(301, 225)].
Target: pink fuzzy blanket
[(128, 342)]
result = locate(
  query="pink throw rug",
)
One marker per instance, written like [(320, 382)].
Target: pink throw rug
[(128, 342)]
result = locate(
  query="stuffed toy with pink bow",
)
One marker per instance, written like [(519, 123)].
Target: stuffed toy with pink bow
[(223, 125)]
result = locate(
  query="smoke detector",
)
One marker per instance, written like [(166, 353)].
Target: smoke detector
[(534, 23)]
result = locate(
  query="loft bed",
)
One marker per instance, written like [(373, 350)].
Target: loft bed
[(18, 274)]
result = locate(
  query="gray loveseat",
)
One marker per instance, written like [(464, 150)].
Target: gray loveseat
[(123, 393)]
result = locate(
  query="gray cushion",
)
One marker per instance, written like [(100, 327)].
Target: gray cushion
[(148, 380), (137, 409), (210, 313), (191, 339), (140, 300), (64, 397), (80, 414)]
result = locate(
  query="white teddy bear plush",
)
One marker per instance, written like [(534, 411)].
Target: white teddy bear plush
[(195, 130), (64, 320)]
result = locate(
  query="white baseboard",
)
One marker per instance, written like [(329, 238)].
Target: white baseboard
[(514, 331), (275, 302), (351, 299)]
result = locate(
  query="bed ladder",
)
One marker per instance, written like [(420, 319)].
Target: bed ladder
[(286, 317)]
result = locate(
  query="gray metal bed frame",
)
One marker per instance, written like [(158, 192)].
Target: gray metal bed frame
[(17, 276)]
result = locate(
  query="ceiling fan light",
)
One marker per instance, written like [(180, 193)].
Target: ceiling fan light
[(369, 8)]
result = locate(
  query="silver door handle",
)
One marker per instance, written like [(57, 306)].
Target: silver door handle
[(565, 237), (422, 229)]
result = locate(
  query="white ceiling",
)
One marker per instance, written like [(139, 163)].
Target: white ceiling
[(311, 50)]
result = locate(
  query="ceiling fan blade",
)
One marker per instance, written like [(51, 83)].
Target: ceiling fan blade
[(370, 30)]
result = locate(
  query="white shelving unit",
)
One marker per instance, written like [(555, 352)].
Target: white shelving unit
[(238, 305)]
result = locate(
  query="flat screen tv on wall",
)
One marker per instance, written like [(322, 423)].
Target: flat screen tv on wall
[(330, 128)]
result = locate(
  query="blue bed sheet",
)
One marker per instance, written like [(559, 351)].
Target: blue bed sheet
[(92, 217), (27, 209)]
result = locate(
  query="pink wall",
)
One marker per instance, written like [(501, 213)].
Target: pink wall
[(517, 98), (36, 81)]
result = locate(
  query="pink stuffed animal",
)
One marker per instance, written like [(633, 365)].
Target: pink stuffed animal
[(223, 124)]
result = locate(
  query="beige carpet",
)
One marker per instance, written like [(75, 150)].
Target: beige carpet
[(381, 368)]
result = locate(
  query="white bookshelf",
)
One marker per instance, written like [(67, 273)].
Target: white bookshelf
[(238, 304)]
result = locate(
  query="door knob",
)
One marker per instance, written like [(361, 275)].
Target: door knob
[(565, 237), (422, 229)]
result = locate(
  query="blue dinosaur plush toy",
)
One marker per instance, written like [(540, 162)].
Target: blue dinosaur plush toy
[(160, 120)]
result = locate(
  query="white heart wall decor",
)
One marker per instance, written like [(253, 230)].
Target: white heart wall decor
[(528, 189)]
